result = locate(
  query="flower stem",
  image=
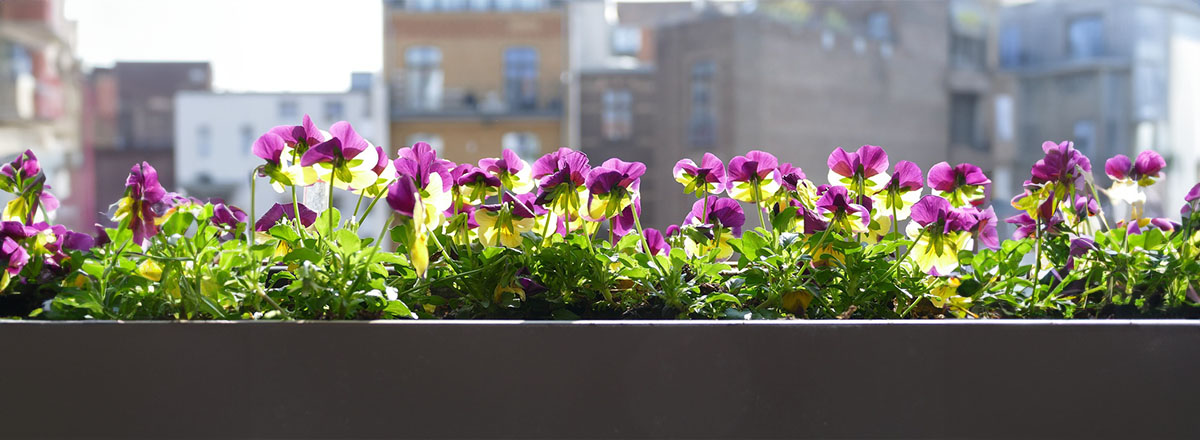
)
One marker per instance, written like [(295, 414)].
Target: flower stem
[(250, 223), (296, 214), (359, 203), (907, 251), (1037, 259), (329, 208), (758, 206)]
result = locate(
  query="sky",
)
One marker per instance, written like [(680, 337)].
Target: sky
[(254, 45)]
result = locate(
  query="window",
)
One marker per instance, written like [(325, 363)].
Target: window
[(423, 5), (423, 66), (618, 114), (1010, 47), (203, 141), (1085, 37), (520, 77), (626, 40), (1005, 130), (702, 123), (247, 134), (288, 109), (334, 110), (453, 5), (967, 52), (525, 144), (197, 75), (964, 128), (480, 5), (433, 140), (1085, 137), (19, 60), (530, 5), (879, 26)]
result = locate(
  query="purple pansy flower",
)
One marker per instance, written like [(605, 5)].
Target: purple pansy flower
[(1136, 227), (864, 171), (1061, 164), (25, 166), (560, 166), (701, 180), (226, 216), (1190, 201), (1144, 170), (345, 160), (502, 224), (15, 255), (474, 183), (790, 176), (722, 213), (514, 173), (840, 210), (963, 184), (984, 229), (753, 176), (1027, 225), (269, 147), (657, 243), (611, 187), (902, 190), (624, 223), (278, 212), (142, 194), (346, 144), (944, 232), (562, 174), (420, 163), (1079, 247), (301, 137), (1086, 206)]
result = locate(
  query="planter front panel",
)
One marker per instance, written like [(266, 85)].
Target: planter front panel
[(601, 380)]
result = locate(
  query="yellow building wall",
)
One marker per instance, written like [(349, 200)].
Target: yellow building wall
[(473, 45), (469, 141)]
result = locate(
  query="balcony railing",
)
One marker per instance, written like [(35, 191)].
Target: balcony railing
[(458, 103)]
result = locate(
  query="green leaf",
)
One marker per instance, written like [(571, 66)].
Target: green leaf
[(722, 297), (348, 240), (784, 218), (322, 223), (302, 254), (93, 268), (178, 223), (397, 309), (283, 232)]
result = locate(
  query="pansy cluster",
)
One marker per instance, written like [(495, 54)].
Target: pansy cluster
[(873, 238), (34, 251)]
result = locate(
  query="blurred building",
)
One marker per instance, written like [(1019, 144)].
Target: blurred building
[(40, 97), (612, 103), (1115, 76), (130, 118), (793, 77), (216, 130), (474, 76)]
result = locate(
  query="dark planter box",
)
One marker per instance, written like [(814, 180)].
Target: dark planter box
[(488, 379)]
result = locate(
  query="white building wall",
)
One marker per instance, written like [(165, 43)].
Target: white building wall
[(233, 121)]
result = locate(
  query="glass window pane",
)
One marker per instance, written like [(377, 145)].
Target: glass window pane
[(423, 68), (1085, 37), (521, 77)]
